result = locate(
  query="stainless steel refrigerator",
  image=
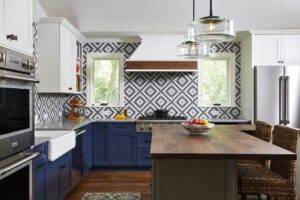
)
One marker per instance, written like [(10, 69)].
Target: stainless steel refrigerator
[(277, 95)]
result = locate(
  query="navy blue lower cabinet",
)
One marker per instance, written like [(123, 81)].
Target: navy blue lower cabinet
[(123, 148), (52, 182), (143, 149), (39, 180), (144, 140), (101, 144), (88, 148), (59, 177), (65, 170), (39, 172), (143, 157), (114, 144), (77, 161)]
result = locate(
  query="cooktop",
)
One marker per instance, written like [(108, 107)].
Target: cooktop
[(162, 118)]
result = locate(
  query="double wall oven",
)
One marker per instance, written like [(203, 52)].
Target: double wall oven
[(16, 125)]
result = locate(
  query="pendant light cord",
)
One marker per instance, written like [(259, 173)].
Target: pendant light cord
[(193, 10), (210, 10)]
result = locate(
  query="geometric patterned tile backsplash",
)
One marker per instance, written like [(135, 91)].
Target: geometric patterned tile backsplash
[(146, 92), (50, 104)]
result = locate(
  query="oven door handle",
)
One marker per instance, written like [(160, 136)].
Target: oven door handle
[(18, 163), (19, 78)]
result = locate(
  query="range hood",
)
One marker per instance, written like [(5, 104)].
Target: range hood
[(158, 53)]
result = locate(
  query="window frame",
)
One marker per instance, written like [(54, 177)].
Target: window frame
[(230, 57), (90, 81)]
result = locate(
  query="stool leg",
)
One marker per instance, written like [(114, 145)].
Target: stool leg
[(258, 197), (243, 197), (269, 198)]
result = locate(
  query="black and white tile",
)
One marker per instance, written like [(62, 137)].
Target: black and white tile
[(146, 92)]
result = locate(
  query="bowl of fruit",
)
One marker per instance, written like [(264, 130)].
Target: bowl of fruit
[(198, 126)]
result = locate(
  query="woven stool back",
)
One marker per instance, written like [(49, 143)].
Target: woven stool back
[(263, 131), (285, 138)]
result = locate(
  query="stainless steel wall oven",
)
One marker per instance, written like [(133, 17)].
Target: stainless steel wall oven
[(16, 177), (16, 125), (16, 104), (16, 118)]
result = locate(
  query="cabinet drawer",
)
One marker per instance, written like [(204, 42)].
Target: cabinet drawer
[(144, 140), (143, 157), (123, 126)]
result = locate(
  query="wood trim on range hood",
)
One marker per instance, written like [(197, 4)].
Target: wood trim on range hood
[(161, 66)]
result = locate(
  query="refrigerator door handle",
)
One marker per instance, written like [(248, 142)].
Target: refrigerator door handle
[(287, 96), (280, 100)]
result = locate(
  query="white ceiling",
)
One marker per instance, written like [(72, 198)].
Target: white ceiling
[(112, 18)]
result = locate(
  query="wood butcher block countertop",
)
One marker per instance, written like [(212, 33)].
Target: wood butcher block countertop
[(222, 142)]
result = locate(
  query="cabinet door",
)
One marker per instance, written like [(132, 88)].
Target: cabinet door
[(101, 140), (65, 170), (87, 148), (18, 21), (291, 49), (90, 145), (144, 157), (67, 61), (123, 148), (77, 161), (2, 28), (39, 171), (52, 182), (267, 50), (144, 140)]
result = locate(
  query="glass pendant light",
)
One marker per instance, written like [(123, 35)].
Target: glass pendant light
[(189, 48), (213, 29)]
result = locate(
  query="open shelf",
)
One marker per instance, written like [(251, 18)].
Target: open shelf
[(78, 67)]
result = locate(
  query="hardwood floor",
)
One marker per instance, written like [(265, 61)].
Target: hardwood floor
[(114, 182)]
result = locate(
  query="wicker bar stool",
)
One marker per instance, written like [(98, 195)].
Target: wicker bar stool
[(263, 131), (279, 180)]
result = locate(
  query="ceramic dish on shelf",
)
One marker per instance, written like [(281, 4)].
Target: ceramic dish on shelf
[(196, 129)]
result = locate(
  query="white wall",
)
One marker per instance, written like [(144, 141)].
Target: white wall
[(38, 10)]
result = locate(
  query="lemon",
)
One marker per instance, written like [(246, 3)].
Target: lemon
[(205, 122), (120, 116)]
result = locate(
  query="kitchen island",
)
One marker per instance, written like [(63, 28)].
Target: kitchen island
[(197, 167)]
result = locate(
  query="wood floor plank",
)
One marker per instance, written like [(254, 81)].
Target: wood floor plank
[(114, 182)]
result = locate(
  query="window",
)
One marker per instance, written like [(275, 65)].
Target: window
[(216, 81), (105, 82)]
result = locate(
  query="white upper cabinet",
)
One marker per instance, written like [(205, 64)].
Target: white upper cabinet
[(267, 50), (291, 49), (16, 25), (68, 60), (59, 57), (275, 50)]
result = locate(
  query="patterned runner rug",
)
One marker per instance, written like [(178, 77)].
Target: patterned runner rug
[(112, 196)]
